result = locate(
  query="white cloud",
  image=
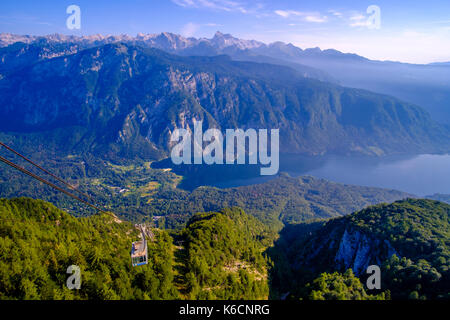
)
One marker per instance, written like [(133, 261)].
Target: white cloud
[(223, 5), (305, 16), (189, 29), (336, 13), (359, 24), (357, 17), (317, 19), (213, 25), (288, 13), (357, 20)]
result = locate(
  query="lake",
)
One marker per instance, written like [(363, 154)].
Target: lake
[(420, 175)]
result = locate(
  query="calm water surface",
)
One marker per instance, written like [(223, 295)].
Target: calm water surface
[(421, 175)]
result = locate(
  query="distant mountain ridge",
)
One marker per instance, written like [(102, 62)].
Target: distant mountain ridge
[(171, 42), (126, 99), (424, 85), (36, 48), (165, 40)]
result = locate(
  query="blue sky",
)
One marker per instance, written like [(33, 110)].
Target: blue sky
[(410, 31)]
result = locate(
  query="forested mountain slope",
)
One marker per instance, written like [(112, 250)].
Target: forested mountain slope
[(120, 100), (279, 201), (220, 256), (38, 242), (409, 240), (227, 255), (224, 256)]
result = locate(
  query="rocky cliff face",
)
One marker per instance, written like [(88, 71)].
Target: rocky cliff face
[(342, 248), (357, 251), (407, 239)]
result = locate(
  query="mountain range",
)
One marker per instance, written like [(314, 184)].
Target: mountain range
[(425, 85), (123, 99)]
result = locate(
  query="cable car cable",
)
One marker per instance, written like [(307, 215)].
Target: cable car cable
[(143, 258), (46, 171), (23, 170)]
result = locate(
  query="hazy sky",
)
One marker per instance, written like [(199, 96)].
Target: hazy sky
[(410, 31)]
